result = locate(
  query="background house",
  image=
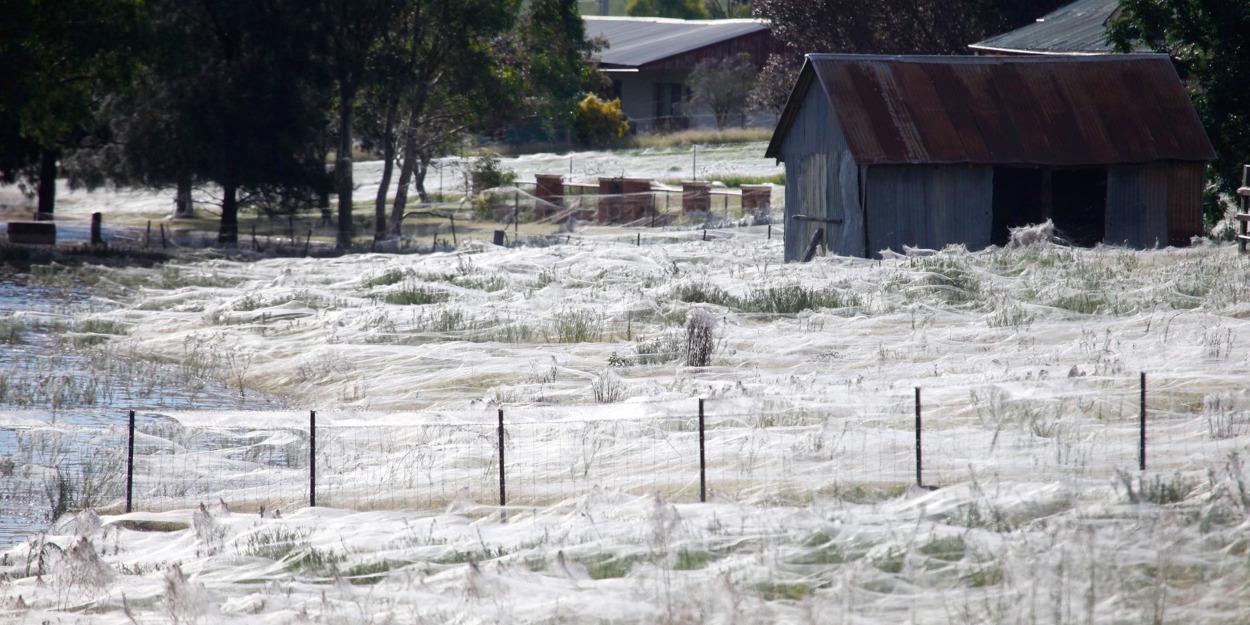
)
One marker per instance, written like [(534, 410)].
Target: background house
[(1079, 28), (649, 58), (931, 151)]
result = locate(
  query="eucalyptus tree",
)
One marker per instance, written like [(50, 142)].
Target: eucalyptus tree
[(438, 73), (354, 33)]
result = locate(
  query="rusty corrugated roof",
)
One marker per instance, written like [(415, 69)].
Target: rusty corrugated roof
[(1057, 111)]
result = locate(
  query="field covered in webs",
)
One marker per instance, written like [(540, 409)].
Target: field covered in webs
[(1028, 361)]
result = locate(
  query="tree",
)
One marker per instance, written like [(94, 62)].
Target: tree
[(241, 109), (895, 26), (445, 77), (721, 85), (552, 63), (1207, 40), (57, 58), (353, 29), (773, 84), (727, 9), (681, 9)]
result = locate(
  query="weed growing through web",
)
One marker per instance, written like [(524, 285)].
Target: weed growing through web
[(662, 349), (411, 293), (387, 278), (186, 602), (700, 342), (1226, 414), (80, 574), (575, 326), (1158, 490), (12, 331), (607, 388)]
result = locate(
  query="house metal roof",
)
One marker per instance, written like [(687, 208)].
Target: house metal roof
[(1027, 110), (1077, 28), (638, 41)]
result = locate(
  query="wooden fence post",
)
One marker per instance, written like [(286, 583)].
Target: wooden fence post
[(97, 236), (702, 458), (312, 458), (130, 466)]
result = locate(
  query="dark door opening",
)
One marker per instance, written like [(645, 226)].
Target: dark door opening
[(1018, 201), (1080, 204)]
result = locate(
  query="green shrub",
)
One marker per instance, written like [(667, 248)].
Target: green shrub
[(598, 123), (486, 173)]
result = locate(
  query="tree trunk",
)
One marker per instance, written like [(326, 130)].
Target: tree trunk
[(343, 169), (325, 185), (228, 231), (405, 177), (422, 168), (388, 164), (183, 207), (47, 185)]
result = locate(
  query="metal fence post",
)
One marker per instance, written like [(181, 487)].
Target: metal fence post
[(919, 448), (1141, 456), (503, 496), (312, 458), (702, 458), (130, 466)]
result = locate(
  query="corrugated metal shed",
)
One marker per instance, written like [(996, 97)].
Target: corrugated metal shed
[(636, 42), (1039, 111), (1077, 28)]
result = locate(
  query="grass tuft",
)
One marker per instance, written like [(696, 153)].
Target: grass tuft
[(412, 294)]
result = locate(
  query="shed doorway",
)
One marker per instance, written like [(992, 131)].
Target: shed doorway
[(1075, 199), (1019, 200), (1080, 204)]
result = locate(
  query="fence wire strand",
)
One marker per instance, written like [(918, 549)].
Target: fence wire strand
[(758, 451)]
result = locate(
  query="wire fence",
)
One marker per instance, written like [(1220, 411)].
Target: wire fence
[(443, 223), (757, 451)]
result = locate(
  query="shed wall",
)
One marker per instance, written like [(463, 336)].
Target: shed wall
[(822, 180), (1186, 182), (929, 206), (1137, 206)]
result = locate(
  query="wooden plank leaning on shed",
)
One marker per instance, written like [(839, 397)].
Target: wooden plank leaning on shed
[(1243, 195), (816, 236)]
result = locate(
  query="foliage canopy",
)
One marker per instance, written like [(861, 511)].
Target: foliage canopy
[(1208, 43)]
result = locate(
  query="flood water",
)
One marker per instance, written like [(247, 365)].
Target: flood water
[(64, 407)]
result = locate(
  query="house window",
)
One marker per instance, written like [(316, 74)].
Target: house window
[(668, 97)]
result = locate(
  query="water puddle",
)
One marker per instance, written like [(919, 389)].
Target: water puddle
[(61, 401)]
